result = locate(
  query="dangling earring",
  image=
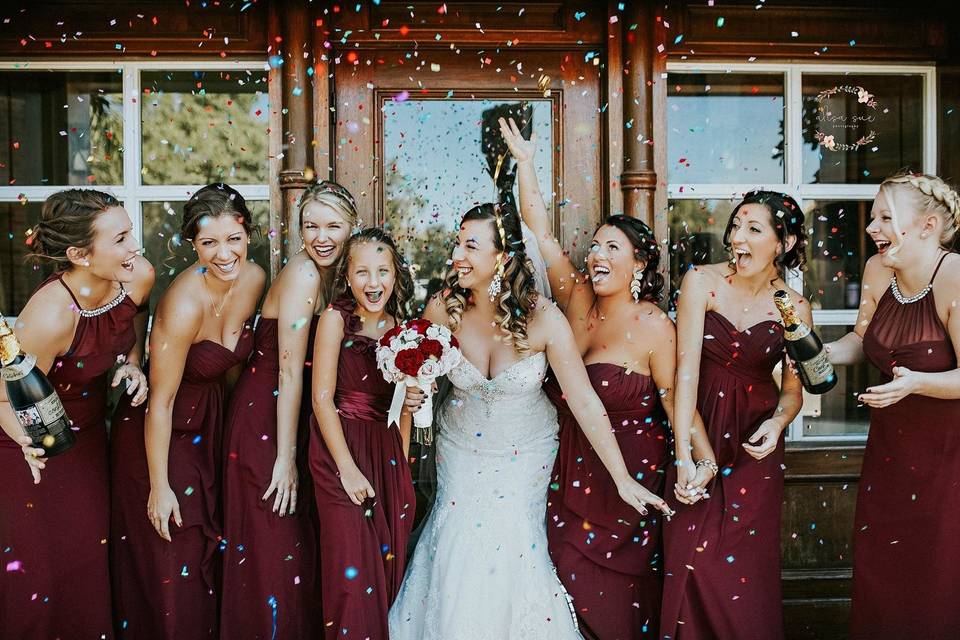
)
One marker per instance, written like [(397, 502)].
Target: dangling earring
[(496, 285), (636, 287), (303, 245)]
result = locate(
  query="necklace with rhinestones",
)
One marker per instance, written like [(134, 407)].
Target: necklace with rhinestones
[(919, 295), (93, 313)]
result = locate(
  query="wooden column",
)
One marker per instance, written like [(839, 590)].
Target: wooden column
[(297, 110), (638, 180)]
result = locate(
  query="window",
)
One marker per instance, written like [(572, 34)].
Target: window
[(150, 133), (826, 135)]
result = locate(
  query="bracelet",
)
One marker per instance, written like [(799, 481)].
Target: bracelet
[(709, 464)]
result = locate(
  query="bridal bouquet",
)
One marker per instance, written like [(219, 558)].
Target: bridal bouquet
[(416, 353)]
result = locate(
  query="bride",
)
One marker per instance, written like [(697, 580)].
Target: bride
[(481, 568)]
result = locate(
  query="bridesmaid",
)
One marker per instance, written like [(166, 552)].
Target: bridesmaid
[(905, 550), (607, 558), (363, 487), (722, 555), (269, 559), (165, 577), (79, 323)]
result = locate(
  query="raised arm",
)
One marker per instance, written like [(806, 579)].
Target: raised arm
[(566, 282), (45, 329), (296, 301), (175, 327), (326, 356), (567, 365)]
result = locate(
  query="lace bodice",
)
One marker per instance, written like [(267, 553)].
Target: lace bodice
[(502, 412)]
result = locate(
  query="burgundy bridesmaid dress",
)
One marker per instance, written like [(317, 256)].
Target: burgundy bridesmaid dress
[(607, 555), (906, 545), (169, 589), (363, 549), (269, 562), (722, 555), (53, 536)]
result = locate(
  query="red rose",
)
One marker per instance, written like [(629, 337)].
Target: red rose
[(419, 325), (409, 360), (431, 348), (389, 335), (453, 342)]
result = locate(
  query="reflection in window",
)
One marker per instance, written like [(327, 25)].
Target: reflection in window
[(61, 128), (431, 180), (859, 128), (18, 278), (725, 127), (204, 126), (696, 236), (170, 255), (837, 250), (838, 413)]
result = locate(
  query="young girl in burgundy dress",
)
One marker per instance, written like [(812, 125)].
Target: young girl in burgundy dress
[(905, 551), (362, 483), (166, 514), (269, 560), (87, 317), (722, 554)]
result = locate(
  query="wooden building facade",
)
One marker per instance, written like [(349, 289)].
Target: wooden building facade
[(667, 111)]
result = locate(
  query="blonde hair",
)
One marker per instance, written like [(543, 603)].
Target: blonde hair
[(335, 196), (930, 194)]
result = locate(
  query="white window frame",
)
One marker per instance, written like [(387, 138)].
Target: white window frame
[(793, 168), (132, 192)]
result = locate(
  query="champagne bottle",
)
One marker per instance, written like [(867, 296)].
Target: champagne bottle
[(34, 401), (805, 348)]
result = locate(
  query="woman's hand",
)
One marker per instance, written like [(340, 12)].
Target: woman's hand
[(358, 488), (521, 149), (137, 385), (414, 399), (692, 481), (284, 481), (904, 383), (161, 505), (638, 497), (764, 440), (33, 455)]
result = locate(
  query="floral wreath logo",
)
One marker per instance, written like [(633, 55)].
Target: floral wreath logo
[(863, 97)]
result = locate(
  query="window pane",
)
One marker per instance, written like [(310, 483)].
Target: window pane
[(169, 256), (859, 128), (725, 128), (837, 250), (420, 209), (18, 278), (696, 236), (204, 126), (61, 128), (837, 412)]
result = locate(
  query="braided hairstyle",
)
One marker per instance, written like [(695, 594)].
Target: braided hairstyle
[(212, 201), (518, 295), (645, 248), (333, 195), (930, 194), (787, 218), (403, 288), (66, 220)]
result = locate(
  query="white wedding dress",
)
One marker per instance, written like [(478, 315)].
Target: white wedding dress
[(481, 568)]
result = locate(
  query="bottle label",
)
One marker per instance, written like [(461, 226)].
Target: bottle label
[(798, 332), (44, 418), (818, 368), (20, 370)]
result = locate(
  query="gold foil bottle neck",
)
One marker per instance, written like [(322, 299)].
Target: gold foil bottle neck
[(785, 306), (9, 345)]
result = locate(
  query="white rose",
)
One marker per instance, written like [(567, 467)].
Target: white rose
[(429, 371)]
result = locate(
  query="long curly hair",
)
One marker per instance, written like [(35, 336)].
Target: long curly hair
[(787, 218), (518, 295), (399, 303), (645, 248)]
